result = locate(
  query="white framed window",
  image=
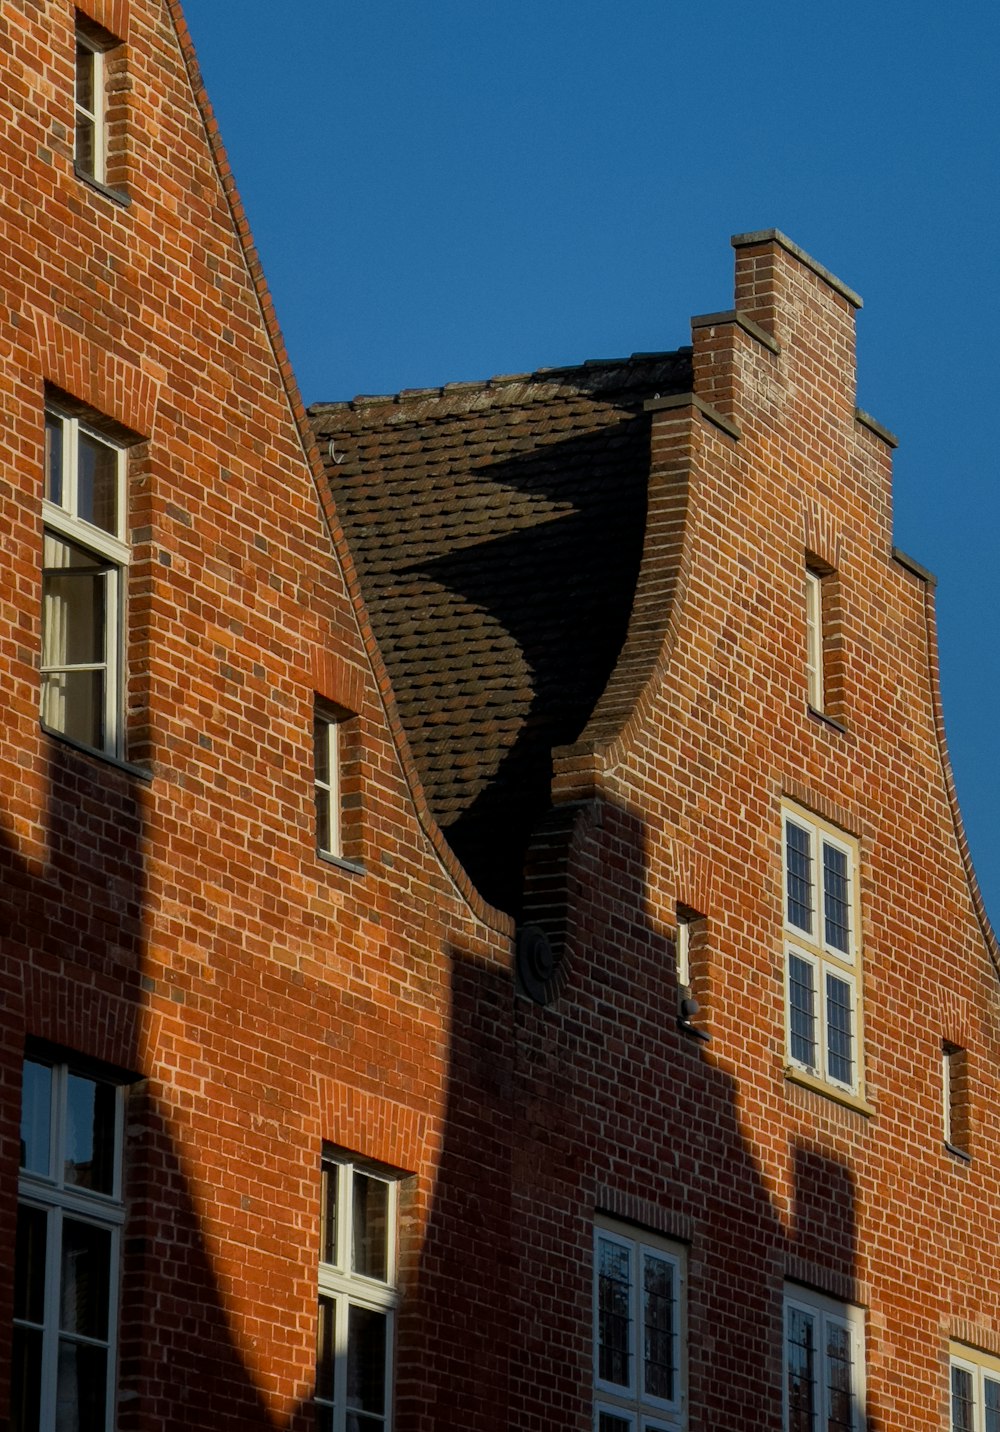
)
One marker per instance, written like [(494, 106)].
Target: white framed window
[(89, 144), (814, 637), (68, 1250), (824, 1364), (639, 1325), (822, 955), (84, 564), (357, 1296), (328, 756), (975, 1390)]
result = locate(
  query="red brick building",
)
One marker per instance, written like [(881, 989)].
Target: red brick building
[(508, 961)]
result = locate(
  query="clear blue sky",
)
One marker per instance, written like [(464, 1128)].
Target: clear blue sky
[(448, 190)]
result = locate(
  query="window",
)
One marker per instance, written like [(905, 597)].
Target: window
[(821, 950), (328, 758), (814, 637), (638, 1331), (357, 1297), (955, 1079), (69, 1224), (89, 143), (83, 584), (975, 1391), (823, 1364)]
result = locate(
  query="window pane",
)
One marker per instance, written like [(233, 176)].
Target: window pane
[(26, 1380), (658, 1327), (991, 1404), (962, 1408), (798, 877), (839, 1040), (326, 1346), (90, 1134), (614, 1287), (610, 1422), (839, 1378), (328, 1213), (370, 1254), (54, 460), (85, 145), (73, 703), (800, 1370), (82, 1388), (836, 899), (321, 744), (36, 1115), (366, 1360), (86, 1279), (85, 77), (97, 484), (802, 1011), (29, 1264), (73, 605)]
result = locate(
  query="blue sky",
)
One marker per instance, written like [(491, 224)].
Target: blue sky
[(451, 190)]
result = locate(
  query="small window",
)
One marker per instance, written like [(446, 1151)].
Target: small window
[(328, 755), (357, 1296), (89, 150), (68, 1248), (956, 1111), (639, 1327), (822, 956), (814, 638), (823, 1363), (975, 1390), (84, 565)]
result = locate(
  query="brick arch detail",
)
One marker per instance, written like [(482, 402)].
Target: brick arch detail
[(822, 536), (111, 15), (374, 1126), (695, 880), (79, 1017), (104, 381)]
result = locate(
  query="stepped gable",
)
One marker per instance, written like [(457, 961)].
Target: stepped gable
[(497, 529)]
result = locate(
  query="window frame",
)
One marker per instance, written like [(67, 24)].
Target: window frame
[(815, 948), (329, 736), (343, 1287), (63, 523), (980, 1367), (96, 118), (630, 1402), (50, 1194), (824, 1310)]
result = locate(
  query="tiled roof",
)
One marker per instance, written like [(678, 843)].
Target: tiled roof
[(497, 529)]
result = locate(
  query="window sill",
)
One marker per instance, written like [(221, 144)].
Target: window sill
[(142, 773), (959, 1154), (117, 196), (829, 1091), (825, 720), (341, 863)]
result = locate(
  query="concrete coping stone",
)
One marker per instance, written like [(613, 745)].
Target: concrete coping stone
[(691, 400), (742, 320), (868, 421), (775, 236), (912, 565)]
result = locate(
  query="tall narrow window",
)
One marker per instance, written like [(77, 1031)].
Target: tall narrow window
[(638, 1330), (824, 1364), (822, 954), (956, 1111), (327, 752), (69, 1223), (89, 145), (84, 562), (357, 1297), (814, 638)]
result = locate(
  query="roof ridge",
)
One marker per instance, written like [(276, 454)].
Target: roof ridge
[(500, 380)]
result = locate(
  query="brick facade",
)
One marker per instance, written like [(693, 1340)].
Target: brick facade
[(163, 909)]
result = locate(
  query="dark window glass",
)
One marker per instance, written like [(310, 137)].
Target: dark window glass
[(328, 1213), (836, 899), (658, 1327), (800, 1371), (839, 1050), (26, 1379), (90, 1134), (371, 1227), (86, 1279), (798, 877), (802, 1011), (614, 1287), (325, 1350), (838, 1374), (54, 461), (366, 1360), (81, 1392), (36, 1117), (29, 1264), (97, 484), (962, 1405)]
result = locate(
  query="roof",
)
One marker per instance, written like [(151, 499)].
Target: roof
[(497, 529)]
